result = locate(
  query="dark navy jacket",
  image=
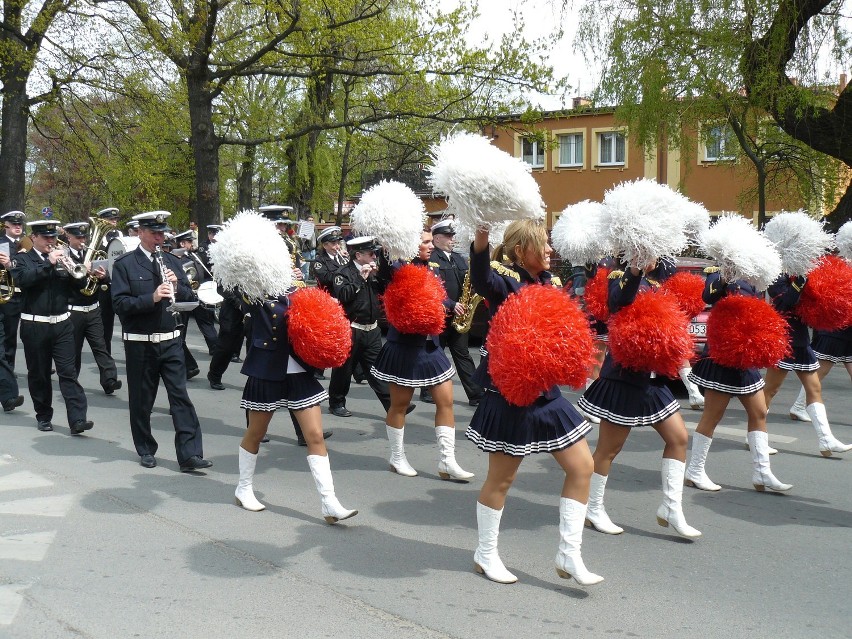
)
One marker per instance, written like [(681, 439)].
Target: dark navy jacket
[(269, 347), (45, 288), (784, 294)]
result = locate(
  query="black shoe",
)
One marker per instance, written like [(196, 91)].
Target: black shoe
[(265, 439), (147, 461), (45, 426), (340, 411), (81, 425), (325, 435), (474, 401), (192, 372), (236, 360), (426, 397), (113, 386), (13, 403), (319, 375), (195, 463), (410, 408), (215, 384)]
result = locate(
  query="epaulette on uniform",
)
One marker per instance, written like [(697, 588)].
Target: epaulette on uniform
[(711, 269), (434, 265), (614, 275), (123, 255), (503, 270), (299, 284), (556, 281)]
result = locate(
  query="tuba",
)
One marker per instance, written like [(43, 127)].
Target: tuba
[(191, 274), (99, 229), (470, 300)]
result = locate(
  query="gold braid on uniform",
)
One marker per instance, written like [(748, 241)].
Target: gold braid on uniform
[(614, 275), (711, 269), (502, 270), (556, 281)]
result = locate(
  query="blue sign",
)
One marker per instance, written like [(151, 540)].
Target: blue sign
[(47, 212)]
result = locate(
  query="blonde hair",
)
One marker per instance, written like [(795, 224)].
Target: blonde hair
[(522, 235)]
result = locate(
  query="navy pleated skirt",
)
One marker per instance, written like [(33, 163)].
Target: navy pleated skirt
[(708, 374), (414, 365), (297, 392), (546, 426), (835, 346), (628, 404), (802, 359)]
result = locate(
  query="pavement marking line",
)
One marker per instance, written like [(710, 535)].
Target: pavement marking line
[(739, 432), (26, 546), (23, 479), (56, 506), (10, 601)]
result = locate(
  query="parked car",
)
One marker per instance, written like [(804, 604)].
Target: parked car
[(698, 324)]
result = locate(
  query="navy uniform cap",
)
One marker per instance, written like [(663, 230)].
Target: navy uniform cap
[(14, 217), (153, 220), (444, 227), (275, 212), (214, 228), (107, 214), (133, 224), (77, 229), (331, 234), (365, 243), (47, 228), (186, 236)]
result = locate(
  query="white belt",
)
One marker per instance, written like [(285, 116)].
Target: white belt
[(45, 319), (83, 309), (5, 289), (154, 338), (364, 327)]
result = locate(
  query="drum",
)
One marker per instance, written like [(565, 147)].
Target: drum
[(208, 296), (118, 247)]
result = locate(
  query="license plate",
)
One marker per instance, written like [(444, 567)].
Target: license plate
[(699, 330)]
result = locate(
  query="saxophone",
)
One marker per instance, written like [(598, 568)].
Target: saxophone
[(470, 300)]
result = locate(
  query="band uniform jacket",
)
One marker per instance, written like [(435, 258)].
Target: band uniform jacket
[(134, 279), (324, 268), (190, 257), (452, 270), (45, 288), (269, 347), (359, 297), (14, 248)]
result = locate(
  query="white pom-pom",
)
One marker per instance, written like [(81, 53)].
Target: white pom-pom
[(581, 234), (393, 214), (696, 221), (250, 257), (800, 239), (464, 236), (844, 241), (741, 251), (483, 183), (646, 221)]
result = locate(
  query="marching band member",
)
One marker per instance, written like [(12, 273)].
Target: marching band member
[(143, 285), (46, 329), (204, 317), (110, 215), (10, 312)]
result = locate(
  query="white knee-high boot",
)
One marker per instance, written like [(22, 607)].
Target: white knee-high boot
[(797, 410), (398, 463), (569, 561), (486, 561), (828, 443), (670, 512), (596, 516), (762, 477), (448, 467), (696, 399), (332, 511), (244, 495), (695, 474)]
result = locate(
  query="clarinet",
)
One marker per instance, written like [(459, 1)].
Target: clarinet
[(176, 316)]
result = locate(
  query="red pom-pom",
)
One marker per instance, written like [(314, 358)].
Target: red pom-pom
[(687, 289), (318, 328), (826, 300), (597, 292), (746, 332), (650, 335), (414, 301), (538, 338)]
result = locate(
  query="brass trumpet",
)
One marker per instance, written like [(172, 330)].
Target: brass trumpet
[(65, 263)]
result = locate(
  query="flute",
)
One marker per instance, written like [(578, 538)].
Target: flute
[(158, 255)]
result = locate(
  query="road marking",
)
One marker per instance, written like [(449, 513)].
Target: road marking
[(23, 479), (57, 506), (26, 546), (10, 600), (739, 432)]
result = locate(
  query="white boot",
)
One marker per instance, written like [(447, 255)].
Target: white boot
[(797, 410), (569, 562), (696, 399), (244, 495), (695, 474), (670, 512), (332, 511), (762, 477), (772, 451), (448, 467), (596, 516), (486, 561), (398, 463), (828, 443)]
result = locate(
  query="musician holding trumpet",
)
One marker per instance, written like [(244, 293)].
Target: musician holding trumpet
[(146, 285), (45, 276)]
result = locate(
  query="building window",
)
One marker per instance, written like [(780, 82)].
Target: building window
[(571, 149), (611, 148), (718, 145), (532, 152)]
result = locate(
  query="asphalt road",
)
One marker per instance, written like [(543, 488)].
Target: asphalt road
[(93, 545)]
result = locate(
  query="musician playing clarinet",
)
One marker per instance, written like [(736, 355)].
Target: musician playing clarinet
[(145, 284)]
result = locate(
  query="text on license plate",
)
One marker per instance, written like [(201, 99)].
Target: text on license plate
[(698, 329)]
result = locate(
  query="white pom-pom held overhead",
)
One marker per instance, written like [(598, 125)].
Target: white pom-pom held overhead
[(251, 258), (843, 239), (393, 214), (646, 221), (696, 221), (800, 239), (741, 251), (581, 234), (484, 184)]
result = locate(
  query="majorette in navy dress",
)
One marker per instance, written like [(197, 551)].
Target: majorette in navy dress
[(621, 396), (550, 423), (784, 294), (833, 346)]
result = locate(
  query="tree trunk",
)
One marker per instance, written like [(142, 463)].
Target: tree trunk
[(245, 179), (842, 213), (761, 196), (13, 144), (205, 149), (344, 172)]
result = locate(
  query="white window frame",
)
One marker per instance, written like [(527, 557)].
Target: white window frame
[(720, 136), (557, 152), (613, 160), (538, 150), (596, 147)]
